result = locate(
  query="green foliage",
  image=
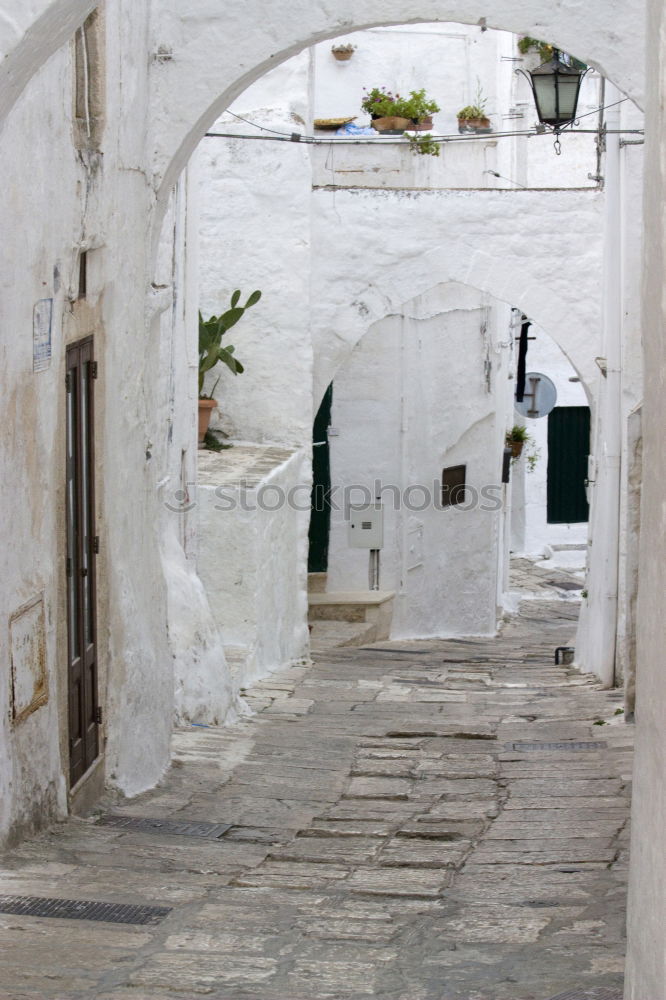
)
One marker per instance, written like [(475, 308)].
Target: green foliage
[(212, 441), (517, 433), (384, 104), (545, 50), (478, 108), (532, 457), (471, 111), (424, 144), (211, 332), (600, 722), (618, 711)]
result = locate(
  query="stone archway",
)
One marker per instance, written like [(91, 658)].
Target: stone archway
[(514, 265), (191, 91)]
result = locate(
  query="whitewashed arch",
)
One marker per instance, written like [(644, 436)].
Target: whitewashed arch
[(30, 32), (388, 247), (218, 51), (216, 57)]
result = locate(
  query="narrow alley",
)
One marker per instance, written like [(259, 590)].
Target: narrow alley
[(431, 820)]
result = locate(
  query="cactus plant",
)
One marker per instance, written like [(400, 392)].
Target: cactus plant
[(211, 332)]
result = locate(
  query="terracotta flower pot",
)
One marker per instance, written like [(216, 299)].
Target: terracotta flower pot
[(391, 124), (206, 407), (342, 55), (422, 124), (516, 448), (473, 124)]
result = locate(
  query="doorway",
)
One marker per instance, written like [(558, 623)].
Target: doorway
[(568, 450), (320, 517), (82, 694)]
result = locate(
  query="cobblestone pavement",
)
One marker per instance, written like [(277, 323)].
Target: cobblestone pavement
[(386, 840)]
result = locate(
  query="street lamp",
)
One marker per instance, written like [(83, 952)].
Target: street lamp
[(556, 85)]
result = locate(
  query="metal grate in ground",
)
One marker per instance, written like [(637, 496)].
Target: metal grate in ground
[(593, 993), (83, 909), (600, 745), (170, 827)]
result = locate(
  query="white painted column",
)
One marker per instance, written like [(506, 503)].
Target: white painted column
[(596, 643)]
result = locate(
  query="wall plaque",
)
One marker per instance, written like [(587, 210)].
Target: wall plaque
[(42, 319), (27, 636)]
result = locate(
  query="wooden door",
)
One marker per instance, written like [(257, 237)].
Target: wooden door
[(320, 516), (568, 448), (84, 715)]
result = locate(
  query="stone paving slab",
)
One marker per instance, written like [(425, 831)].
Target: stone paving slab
[(384, 841)]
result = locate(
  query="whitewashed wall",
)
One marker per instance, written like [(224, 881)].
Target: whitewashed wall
[(425, 389), (450, 61), (253, 516)]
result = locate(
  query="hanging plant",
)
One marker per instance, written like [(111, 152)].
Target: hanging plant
[(424, 144), (343, 52)]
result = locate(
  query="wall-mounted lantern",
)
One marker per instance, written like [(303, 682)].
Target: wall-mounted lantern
[(556, 86)]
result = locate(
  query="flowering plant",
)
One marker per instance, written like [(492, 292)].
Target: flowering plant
[(383, 103)]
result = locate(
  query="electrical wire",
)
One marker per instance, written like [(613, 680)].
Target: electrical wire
[(301, 138), (456, 137), (255, 125)]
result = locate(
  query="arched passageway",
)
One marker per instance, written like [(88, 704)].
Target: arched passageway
[(173, 79)]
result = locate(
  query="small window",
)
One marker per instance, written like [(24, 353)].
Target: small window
[(83, 275), (453, 485)]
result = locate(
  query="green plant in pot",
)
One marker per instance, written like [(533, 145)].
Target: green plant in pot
[(211, 352), (473, 117), (392, 113), (516, 439)]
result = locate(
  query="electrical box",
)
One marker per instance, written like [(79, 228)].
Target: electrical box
[(366, 526)]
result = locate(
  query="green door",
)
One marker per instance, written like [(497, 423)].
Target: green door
[(568, 449), (320, 517)]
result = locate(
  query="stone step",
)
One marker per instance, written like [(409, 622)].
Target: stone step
[(326, 635), (317, 583), (373, 607)]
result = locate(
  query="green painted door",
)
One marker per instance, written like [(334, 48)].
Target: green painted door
[(320, 517), (568, 449)]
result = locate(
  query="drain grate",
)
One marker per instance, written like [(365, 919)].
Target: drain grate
[(170, 827), (600, 745), (593, 993), (83, 909)]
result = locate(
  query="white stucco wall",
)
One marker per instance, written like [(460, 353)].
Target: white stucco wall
[(450, 61), (646, 961), (253, 515), (254, 232), (426, 389)]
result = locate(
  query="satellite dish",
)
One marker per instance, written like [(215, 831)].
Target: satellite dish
[(539, 398)]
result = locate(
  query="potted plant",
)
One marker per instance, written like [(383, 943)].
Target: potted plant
[(211, 352), (343, 52), (516, 439), (473, 118), (392, 113)]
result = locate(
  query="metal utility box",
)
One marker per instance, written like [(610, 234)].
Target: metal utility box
[(366, 526)]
